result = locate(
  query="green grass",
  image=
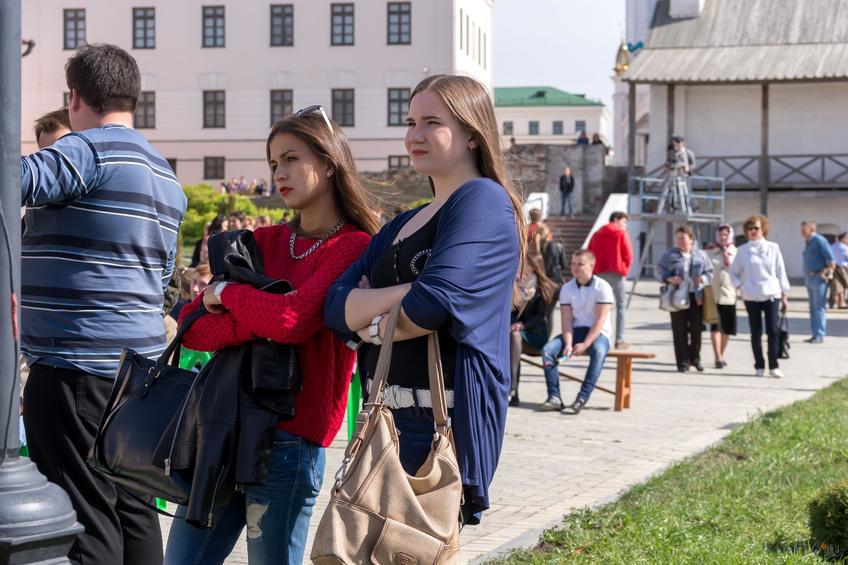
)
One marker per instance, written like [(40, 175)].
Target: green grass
[(743, 501)]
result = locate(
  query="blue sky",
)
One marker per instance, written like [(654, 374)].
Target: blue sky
[(568, 44)]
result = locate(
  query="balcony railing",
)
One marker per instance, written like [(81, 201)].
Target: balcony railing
[(785, 171)]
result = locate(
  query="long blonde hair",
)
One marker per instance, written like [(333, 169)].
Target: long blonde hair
[(354, 200), (471, 105)]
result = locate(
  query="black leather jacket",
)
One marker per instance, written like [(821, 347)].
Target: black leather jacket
[(230, 422)]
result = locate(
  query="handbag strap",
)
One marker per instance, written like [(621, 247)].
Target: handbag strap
[(434, 370), (173, 350), (437, 384)]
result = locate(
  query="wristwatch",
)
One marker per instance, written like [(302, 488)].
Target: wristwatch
[(219, 288), (374, 330)]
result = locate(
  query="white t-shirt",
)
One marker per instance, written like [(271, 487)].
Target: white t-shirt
[(584, 298)]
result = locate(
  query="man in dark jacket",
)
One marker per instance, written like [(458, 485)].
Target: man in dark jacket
[(611, 245), (566, 188)]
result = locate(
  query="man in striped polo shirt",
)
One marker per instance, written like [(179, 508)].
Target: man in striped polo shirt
[(103, 210)]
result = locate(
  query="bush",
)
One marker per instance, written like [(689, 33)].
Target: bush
[(829, 518), (205, 202)]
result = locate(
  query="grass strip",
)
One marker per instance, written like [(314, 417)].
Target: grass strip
[(742, 501)]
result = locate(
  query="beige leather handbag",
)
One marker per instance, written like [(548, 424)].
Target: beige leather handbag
[(378, 513)]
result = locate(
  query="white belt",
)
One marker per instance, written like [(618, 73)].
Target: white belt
[(396, 397)]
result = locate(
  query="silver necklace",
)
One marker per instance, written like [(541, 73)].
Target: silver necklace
[(315, 245)]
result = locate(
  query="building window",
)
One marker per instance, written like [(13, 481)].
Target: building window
[(398, 106), (485, 52), (214, 109), (557, 127), (144, 28), (213, 26), (579, 125), (74, 28), (398, 162), (173, 164), (508, 127), (400, 23), (281, 105), (213, 168), (66, 99), (282, 25), (342, 24), (145, 111), (343, 106), (534, 127)]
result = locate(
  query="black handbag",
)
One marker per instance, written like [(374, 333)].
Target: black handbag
[(137, 434), (783, 335)]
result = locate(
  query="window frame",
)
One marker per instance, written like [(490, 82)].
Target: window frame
[(215, 28), (286, 34), (557, 125), (401, 99), (145, 111), (220, 162), (511, 129), (288, 100), (577, 128), (340, 115), (223, 114), (399, 162), (530, 127), (148, 17), (72, 15), (344, 14), (402, 9)]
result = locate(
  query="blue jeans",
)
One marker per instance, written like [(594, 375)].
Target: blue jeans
[(566, 201), (597, 353), (817, 295), (276, 514)]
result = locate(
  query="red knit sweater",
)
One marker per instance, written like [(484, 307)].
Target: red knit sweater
[(326, 363)]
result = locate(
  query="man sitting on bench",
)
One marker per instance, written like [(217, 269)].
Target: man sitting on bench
[(586, 301)]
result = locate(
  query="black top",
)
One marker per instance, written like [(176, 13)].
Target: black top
[(400, 263), (566, 183)]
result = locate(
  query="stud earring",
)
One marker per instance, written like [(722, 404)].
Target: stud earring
[(329, 174)]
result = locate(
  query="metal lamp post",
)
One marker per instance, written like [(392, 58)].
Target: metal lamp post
[(37, 522)]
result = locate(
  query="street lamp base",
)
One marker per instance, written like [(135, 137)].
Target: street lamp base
[(37, 522)]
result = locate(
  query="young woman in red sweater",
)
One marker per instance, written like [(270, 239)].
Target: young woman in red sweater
[(314, 173)]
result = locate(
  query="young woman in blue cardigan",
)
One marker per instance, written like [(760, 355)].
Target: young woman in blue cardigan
[(451, 264)]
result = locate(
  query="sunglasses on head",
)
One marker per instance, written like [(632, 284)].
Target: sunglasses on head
[(315, 108)]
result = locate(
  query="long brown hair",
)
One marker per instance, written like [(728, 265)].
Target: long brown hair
[(547, 286), (471, 105), (355, 202)]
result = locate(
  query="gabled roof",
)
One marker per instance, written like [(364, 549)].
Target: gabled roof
[(746, 41), (539, 96)]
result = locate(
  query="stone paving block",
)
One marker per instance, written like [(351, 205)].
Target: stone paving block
[(552, 464)]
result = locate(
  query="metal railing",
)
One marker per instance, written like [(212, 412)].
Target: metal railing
[(796, 171), (706, 199)]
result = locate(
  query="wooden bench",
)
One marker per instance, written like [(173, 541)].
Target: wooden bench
[(623, 375)]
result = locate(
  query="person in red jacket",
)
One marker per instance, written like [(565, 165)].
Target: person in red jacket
[(611, 245), (314, 173)]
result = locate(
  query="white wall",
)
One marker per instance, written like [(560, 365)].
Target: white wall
[(725, 120), (596, 118), (179, 69)]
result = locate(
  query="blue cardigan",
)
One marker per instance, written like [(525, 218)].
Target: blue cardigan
[(466, 286)]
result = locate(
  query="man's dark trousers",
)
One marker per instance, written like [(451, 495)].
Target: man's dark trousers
[(62, 409)]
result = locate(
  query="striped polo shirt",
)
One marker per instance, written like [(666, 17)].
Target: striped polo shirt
[(103, 208)]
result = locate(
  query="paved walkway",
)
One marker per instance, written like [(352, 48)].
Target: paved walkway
[(553, 463)]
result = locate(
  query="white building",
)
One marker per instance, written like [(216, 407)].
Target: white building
[(217, 73), (758, 89), (542, 114)]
